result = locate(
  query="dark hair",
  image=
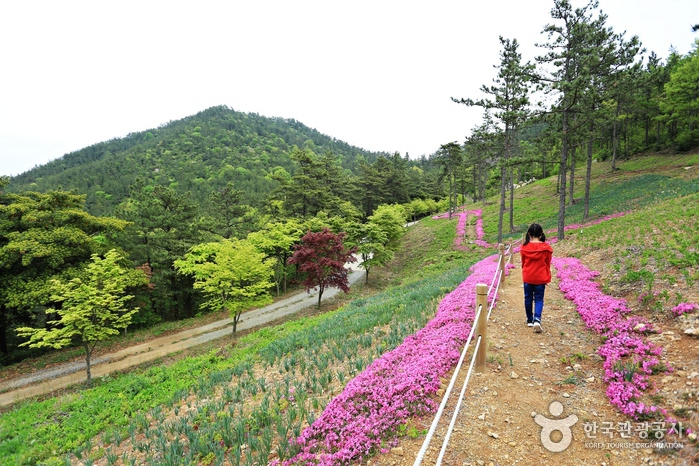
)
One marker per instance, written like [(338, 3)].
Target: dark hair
[(535, 231)]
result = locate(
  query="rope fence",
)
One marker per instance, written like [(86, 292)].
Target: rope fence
[(478, 358)]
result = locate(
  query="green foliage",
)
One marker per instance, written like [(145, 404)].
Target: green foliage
[(390, 220), (371, 243), (681, 102), (201, 153), (52, 428), (164, 226), (276, 241), (233, 274), (93, 308), (44, 236)]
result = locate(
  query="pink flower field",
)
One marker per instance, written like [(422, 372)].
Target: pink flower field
[(629, 359), (401, 383), (397, 386)]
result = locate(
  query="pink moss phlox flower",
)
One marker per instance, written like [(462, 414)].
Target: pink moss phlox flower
[(684, 308), (446, 214), (479, 230), (460, 230), (396, 386), (629, 359)]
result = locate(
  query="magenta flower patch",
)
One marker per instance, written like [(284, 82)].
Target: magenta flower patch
[(397, 386), (684, 308), (461, 228), (629, 359)]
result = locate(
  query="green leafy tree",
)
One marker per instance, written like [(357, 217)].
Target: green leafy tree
[(572, 41), (43, 236), (510, 101), (480, 150), (371, 244), (233, 274), (276, 240), (93, 307), (230, 210), (316, 185), (681, 102), (372, 181), (390, 220), (164, 227), (450, 158)]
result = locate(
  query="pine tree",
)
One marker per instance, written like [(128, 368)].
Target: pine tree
[(510, 101)]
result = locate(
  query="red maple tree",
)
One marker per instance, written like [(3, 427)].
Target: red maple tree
[(322, 257)]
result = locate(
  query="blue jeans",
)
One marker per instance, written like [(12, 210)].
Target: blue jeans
[(534, 293)]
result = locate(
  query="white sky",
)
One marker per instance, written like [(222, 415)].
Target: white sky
[(376, 74)]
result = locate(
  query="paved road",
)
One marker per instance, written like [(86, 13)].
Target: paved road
[(68, 374)]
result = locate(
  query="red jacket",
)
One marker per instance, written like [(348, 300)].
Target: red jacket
[(536, 263)]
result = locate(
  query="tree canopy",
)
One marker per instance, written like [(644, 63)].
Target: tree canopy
[(44, 236), (93, 307), (322, 256), (233, 275)]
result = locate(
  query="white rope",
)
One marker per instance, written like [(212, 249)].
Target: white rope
[(433, 427), (492, 303), (458, 405), (492, 283)]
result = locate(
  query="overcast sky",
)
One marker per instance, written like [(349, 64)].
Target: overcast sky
[(376, 74)]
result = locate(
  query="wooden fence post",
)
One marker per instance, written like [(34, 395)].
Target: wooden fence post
[(481, 325), (501, 265)]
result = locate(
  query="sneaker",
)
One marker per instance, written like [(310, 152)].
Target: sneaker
[(537, 327), (530, 324)]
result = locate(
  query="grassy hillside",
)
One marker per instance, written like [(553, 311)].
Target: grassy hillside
[(272, 383)]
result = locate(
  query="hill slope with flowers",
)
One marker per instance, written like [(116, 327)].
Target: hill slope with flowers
[(347, 386), (619, 345)]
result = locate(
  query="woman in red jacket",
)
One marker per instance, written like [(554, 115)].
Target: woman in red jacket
[(536, 273)]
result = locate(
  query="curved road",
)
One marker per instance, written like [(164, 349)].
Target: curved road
[(68, 374)]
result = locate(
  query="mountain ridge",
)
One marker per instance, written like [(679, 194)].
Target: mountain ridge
[(198, 153)]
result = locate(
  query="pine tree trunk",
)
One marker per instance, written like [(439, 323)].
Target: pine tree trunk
[(571, 201), (512, 200), (501, 215), (614, 146), (588, 173), (562, 174)]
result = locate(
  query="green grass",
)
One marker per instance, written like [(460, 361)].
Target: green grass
[(653, 162), (37, 430), (538, 203)]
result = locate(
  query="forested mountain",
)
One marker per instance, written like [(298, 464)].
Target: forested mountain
[(201, 154)]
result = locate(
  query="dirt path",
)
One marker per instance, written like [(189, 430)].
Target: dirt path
[(64, 375), (525, 373)]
